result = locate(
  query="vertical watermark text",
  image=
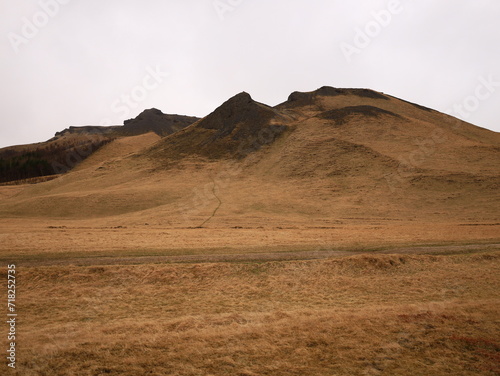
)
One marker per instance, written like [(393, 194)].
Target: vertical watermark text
[(11, 315)]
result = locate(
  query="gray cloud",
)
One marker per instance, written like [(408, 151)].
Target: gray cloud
[(91, 55)]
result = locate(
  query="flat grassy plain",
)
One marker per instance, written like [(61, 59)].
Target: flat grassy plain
[(367, 314)]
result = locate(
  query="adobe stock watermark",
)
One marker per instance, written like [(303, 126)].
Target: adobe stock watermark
[(122, 107), (222, 7), (11, 315), (31, 26), (364, 36), (485, 89), (426, 147), (88, 145)]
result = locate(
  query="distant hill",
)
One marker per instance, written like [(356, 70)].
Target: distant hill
[(154, 120), (72, 145)]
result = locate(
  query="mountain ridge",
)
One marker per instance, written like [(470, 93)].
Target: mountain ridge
[(339, 155), (74, 144)]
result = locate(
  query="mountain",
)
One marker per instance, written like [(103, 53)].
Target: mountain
[(153, 120), (322, 159), (45, 160), (223, 132), (343, 231)]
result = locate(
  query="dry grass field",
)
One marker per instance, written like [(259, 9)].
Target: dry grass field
[(343, 232), (360, 315)]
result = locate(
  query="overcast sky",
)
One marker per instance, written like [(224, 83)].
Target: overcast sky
[(91, 62)]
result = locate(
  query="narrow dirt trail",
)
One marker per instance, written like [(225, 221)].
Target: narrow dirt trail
[(263, 257), (216, 209)]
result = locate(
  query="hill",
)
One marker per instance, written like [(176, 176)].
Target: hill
[(153, 120), (72, 145), (321, 158), (343, 231)]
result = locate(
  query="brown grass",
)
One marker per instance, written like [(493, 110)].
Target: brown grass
[(318, 170), (116, 278), (362, 315)]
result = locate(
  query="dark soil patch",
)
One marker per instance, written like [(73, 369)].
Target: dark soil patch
[(153, 120), (297, 99), (341, 115)]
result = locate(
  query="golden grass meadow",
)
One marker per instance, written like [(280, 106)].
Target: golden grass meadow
[(343, 232), (358, 315)]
